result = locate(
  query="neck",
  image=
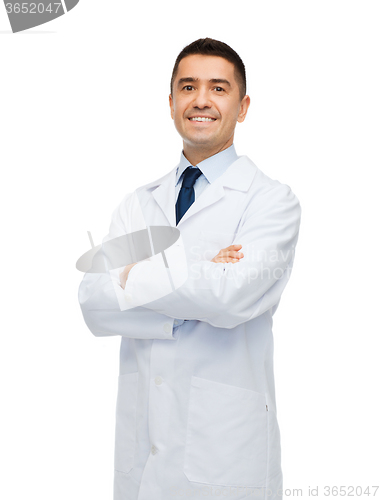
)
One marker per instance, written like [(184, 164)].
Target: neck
[(197, 154)]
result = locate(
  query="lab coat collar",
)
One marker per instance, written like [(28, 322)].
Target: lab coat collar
[(239, 176)]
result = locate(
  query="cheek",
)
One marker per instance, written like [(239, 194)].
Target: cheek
[(177, 117), (230, 117), (178, 112)]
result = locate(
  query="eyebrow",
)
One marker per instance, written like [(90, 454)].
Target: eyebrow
[(190, 79)]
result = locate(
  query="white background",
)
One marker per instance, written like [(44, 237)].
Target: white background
[(84, 119)]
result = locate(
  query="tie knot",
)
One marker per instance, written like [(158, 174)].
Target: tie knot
[(190, 176)]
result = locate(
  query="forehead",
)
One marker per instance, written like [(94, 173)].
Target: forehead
[(206, 68)]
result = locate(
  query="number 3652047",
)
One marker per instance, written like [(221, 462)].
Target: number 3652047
[(33, 8)]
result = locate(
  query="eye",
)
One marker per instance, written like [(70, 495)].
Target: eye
[(188, 87), (219, 89)]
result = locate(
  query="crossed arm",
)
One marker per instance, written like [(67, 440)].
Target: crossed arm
[(103, 316), (216, 292)]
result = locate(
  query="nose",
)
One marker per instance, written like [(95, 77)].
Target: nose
[(202, 99)]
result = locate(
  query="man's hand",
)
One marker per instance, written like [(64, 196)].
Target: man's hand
[(124, 274), (229, 254)]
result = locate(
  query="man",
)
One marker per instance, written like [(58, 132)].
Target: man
[(196, 411)]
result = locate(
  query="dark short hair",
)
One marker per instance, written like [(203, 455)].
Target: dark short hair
[(211, 47)]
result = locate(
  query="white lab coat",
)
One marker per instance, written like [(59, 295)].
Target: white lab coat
[(196, 411)]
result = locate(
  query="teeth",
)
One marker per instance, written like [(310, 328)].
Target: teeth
[(201, 119)]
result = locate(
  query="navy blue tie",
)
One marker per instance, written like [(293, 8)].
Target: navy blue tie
[(186, 195)]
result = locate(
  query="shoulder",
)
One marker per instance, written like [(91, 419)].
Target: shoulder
[(244, 174), (139, 192), (134, 202), (153, 184), (267, 194)]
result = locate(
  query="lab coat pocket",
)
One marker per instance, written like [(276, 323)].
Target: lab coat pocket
[(126, 412), (226, 440)]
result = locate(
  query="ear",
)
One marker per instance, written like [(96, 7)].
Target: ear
[(244, 105), (171, 104)]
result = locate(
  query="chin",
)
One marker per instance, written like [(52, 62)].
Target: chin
[(200, 142), (199, 139)]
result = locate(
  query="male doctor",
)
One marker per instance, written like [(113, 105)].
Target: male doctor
[(196, 411)]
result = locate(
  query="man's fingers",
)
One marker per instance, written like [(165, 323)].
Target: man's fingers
[(229, 254), (233, 247), (221, 260)]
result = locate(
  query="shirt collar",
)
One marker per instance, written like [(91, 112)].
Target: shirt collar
[(212, 167)]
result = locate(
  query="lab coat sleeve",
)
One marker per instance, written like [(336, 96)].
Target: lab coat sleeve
[(103, 316), (99, 301), (226, 295)]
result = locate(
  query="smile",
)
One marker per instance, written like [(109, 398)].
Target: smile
[(202, 119)]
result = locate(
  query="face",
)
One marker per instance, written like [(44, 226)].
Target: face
[(205, 104)]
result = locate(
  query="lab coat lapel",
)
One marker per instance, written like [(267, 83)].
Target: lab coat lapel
[(238, 176), (212, 194), (164, 195)]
